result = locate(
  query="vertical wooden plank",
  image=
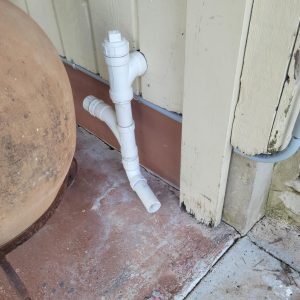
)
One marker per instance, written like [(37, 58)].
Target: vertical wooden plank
[(75, 27), (289, 104), (270, 44), (162, 40), (215, 41), (112, 14), (42, 12), (21, 4)]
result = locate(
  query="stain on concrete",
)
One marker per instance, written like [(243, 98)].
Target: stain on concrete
[(280, 239)]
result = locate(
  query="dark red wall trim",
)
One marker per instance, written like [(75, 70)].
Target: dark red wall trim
[(158, 137)]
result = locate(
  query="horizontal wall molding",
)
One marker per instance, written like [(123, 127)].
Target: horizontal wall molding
[(170, 114)]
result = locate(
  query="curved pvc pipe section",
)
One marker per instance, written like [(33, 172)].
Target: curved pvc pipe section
[(125, 137), (102, 111), (290, 150), (123, 68)]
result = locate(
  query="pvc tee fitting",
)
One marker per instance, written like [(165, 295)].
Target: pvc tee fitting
[(123, 68)]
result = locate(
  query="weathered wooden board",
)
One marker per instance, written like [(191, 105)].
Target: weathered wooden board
[(271, 38), (215, 42), (289, 104), (78, 29), (162, 40), (108, 15), (74, 23), (42, 11)]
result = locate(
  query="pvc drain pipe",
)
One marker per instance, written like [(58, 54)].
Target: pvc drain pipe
[(123, 68)]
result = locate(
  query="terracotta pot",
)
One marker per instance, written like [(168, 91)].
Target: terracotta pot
[(37, 122)]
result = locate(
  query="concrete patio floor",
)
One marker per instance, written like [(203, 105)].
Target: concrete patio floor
[(100, 243), (263, 265)]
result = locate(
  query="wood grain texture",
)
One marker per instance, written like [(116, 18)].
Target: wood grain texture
[(162, 40), (215, 41), (75, 26), (108, 15), (43, 13), (78, 28), (289, 105), (269, 47)]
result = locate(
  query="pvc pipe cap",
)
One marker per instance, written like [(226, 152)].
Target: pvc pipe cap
[(114, 36), (115, 45)]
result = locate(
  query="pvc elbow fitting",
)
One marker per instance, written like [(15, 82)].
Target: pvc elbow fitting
[(103, 112)]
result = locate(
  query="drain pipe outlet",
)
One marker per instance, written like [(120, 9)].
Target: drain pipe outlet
[(123, 68)]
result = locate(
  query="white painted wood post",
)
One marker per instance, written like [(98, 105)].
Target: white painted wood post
[(266, 110), (215, 42)]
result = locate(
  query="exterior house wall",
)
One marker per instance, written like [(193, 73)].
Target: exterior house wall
[(78, 27), (267, 109), (227, 65)]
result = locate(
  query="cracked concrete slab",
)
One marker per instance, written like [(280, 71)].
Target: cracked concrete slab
[(278, 238), (247, 272), (102, 244)]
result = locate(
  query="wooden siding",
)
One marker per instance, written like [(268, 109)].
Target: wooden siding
[(265, 108), (78, 27)]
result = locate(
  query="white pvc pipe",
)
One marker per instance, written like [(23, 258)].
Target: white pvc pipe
[(124, 114), (129, 151), (102, 111), (123, 68), (147, 196), (170, 114)]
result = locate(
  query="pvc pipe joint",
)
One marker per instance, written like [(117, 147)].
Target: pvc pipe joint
[(103, 112), (123, 68)]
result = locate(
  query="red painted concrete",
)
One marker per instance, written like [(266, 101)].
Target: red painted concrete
[(158, 137), (7, 291), (102, 244)]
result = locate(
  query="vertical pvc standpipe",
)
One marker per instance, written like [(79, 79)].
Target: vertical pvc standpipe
[(123, 68)]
